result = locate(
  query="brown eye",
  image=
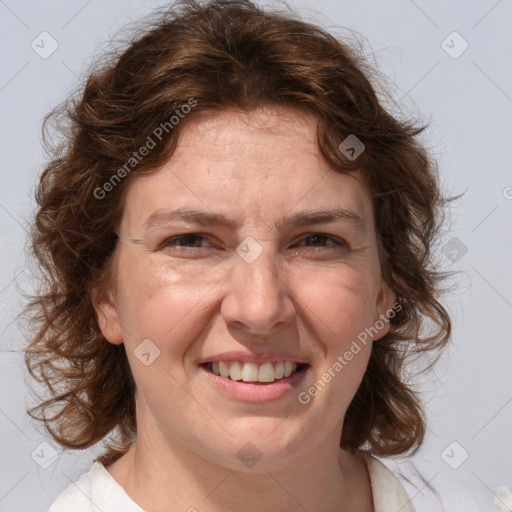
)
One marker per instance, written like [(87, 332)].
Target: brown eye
[(184, 240), (320, 240)]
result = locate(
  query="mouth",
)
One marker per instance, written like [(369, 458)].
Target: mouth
[(248, 372), (255, 383)]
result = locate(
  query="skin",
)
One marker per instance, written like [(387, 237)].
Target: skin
[(311, 298)]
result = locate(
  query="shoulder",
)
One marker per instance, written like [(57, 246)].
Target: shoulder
[(389, 494), (94, 491), (76, 495), (432, 488)]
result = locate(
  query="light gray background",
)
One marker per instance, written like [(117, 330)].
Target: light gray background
[(469, 100)]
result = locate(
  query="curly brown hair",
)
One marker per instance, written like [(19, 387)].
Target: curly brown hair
[(222, 54)]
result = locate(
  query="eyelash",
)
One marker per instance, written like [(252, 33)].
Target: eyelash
[(337, 241)]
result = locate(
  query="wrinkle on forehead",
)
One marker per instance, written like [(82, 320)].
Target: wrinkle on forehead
[(271, 120), (273, 150)]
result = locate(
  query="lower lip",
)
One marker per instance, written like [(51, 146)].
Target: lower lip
[(256, 391)]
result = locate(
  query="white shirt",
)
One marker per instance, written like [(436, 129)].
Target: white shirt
[(98, 491)]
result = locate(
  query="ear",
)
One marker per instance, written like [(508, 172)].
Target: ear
[(386, 307), (107, 315)]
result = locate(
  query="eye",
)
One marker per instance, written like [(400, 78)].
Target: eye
[(189, 240), (320, 241)]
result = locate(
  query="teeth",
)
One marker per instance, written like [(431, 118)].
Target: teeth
[(279, 370), (266, 373), (235, 371), (223, 369), (252, 372)]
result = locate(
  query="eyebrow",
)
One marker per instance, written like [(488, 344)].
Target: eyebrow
[(303, 218)]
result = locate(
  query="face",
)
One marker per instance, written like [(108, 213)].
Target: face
[(283, 285)]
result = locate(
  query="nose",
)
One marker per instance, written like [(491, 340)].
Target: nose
[(258, 297)]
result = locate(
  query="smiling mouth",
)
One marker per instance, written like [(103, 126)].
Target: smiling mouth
[(254, 373)]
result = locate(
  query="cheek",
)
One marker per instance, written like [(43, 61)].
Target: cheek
[(160, 318), (342, 302), (158, 304), (341, 305)]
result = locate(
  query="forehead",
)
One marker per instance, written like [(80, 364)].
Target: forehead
[(261, 165), (261, 124)]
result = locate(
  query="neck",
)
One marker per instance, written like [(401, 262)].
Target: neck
[(320, 477)]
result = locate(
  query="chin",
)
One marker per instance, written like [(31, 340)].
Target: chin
[(264, 450)]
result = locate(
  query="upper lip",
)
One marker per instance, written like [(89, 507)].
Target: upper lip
[(249, 357)]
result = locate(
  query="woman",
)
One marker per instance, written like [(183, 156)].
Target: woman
[(236, 242)]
